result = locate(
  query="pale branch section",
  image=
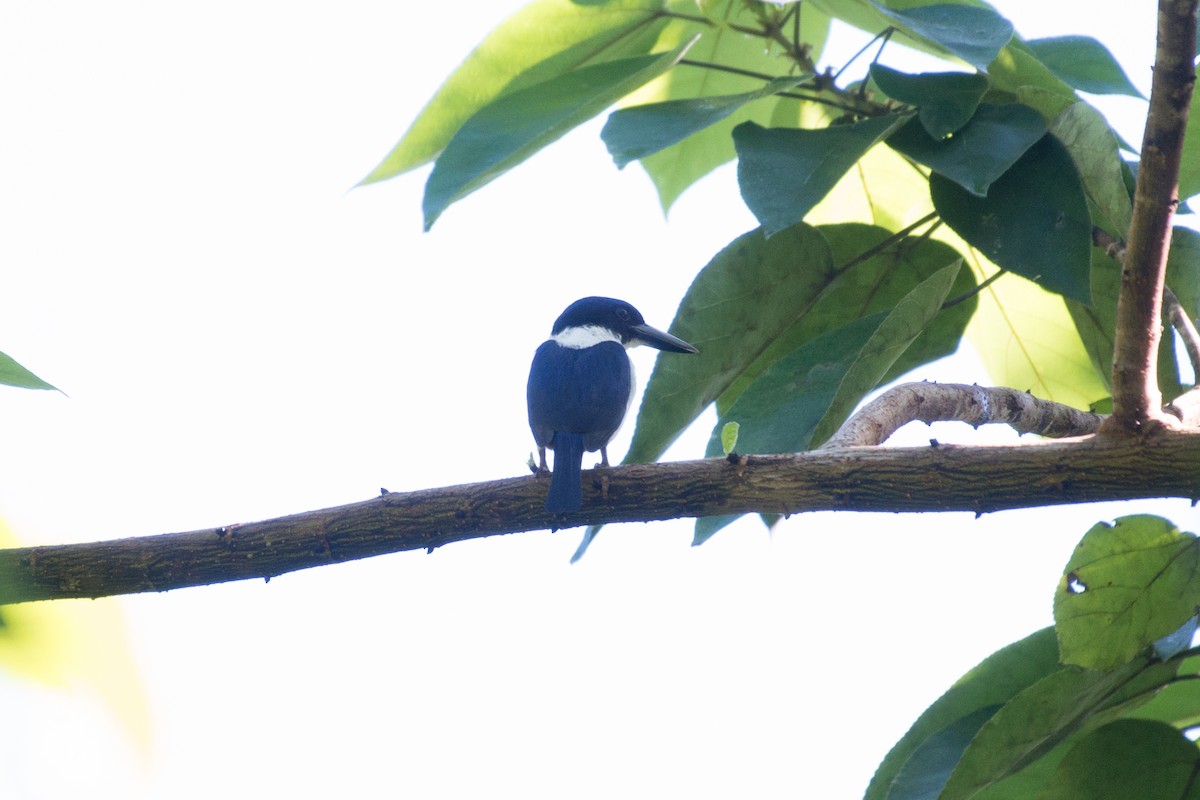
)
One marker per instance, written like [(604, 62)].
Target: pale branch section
[(1184, 326), (935, 478), (1136, 397), (958, 402)]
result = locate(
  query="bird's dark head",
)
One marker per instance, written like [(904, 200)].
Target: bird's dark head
[(597, 318)]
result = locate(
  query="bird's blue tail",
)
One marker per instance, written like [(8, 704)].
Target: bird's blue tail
[(566, 483)]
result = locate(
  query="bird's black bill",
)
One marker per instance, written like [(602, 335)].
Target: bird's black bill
[(653, 337)]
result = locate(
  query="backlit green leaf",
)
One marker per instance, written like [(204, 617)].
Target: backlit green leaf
[(545, 39), (784, 172), (1083, 63), (517, 125), (677, 167), (1034, 220), (983, 150), (1126, 585)]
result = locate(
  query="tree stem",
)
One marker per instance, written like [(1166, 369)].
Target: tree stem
[(1136, 396)]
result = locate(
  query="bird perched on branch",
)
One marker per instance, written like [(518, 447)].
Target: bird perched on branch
[(580, 386)]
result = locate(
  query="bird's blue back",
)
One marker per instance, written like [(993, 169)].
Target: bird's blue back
[(579, 390)]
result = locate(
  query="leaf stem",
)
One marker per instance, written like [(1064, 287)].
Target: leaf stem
[(894, 239)]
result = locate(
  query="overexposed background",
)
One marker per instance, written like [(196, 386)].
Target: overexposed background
[(241, 335)]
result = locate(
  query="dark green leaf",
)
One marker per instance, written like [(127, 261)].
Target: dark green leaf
[(1125, 585), (946, 99), (997, 679), (545, 39), (1034, 221), (13, 374), (1035, 722), (1083, 63), (976, 156), (926, 771), (636, 132), (784, 172), (1128, 758), (517, 125), (973, 34)]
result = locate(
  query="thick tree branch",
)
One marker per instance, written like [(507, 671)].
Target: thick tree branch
[(974, 405), (942, 478), (1136, 397)]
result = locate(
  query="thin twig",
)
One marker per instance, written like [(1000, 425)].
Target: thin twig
[(953, 301), (1185, 328), (895, 238)]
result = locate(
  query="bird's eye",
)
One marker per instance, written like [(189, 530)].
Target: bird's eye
[(622, 314)]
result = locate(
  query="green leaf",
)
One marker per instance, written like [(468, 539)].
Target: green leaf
[(906, 321), (1128, 758), (1189, 168), (759, 299), (1084, 64), (13, 374), (1126, 585), (636, 132), (973, 34), (1096, 322), (1027, 339), (802, 398), (1093, 147), (1035, 722), (545, 39), (994, 681), (783, 405), (743, 300), (729, 436), (1016, 68), (1183, 268), (946, 99), (1034, 221), (784, 172), (517, 125), (976, 156), (676, 168), (926, 771)]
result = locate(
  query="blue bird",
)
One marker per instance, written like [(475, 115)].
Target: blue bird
[(580, 386)]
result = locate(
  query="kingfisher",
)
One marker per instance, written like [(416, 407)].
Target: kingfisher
[(580, 386)]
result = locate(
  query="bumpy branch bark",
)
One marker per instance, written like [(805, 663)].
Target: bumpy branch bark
[(1136, 398), (942, 478), (974, 405)]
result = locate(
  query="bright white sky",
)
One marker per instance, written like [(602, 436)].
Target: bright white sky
[(241, 336)]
